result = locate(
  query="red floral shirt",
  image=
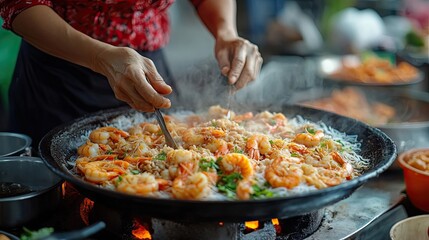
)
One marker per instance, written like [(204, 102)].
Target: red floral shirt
[(139, 24)]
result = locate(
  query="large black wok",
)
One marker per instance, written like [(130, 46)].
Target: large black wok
[(59, 146)]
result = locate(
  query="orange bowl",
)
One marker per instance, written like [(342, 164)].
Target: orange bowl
[(416, 181)]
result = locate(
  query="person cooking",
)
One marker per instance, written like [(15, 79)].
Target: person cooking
[(78, 57)]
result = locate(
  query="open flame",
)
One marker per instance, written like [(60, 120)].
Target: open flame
[(254, 225), (140, 231), (84, 210)]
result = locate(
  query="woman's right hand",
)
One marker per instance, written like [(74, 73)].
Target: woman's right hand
[(133, 78)]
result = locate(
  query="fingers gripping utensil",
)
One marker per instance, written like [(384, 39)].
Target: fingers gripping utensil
[(168, 138)]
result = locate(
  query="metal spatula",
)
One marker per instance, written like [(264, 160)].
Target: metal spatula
[(168, 139)]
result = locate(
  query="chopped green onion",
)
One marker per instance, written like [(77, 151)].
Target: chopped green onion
[(161, 156)]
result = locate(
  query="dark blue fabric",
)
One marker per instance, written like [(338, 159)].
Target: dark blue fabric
[(47, 91)]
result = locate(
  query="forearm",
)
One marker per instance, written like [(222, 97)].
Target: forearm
[(219, 17), (43, 28)]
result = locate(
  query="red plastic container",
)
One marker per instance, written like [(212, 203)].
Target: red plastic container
[(416, 181)]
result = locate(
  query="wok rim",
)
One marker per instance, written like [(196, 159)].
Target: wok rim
[(350, 185)]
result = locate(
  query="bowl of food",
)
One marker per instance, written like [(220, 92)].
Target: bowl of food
[(415, 164), (368, 70), (416, 227), (395, 112)]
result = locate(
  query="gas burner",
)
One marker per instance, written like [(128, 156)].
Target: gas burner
[(370, 211), (126, 225)]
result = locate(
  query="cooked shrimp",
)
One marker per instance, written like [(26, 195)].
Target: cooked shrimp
[(101, 171), (312, 177), (344, 164), (191, 137), (107, 135), (90, 149), (219, 112), (196, 186), (257, 145), (182, 162), (218, 147), (331, 177), (143, 184), (82, 161), (144, 128), (244, 189), (309, 139), (242, 117), (236, 163), (298, 148), (284, 174)]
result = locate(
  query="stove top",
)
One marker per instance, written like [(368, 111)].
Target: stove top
[(368, 213)]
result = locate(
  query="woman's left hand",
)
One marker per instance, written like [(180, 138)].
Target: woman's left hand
[(239, 60)]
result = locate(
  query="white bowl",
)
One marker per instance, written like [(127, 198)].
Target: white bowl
[(413, 228)]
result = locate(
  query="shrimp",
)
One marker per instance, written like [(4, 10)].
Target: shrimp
[(217, 112), (195, 186), (330, 177), (191, 137), (82, 161), (284, 174), (140, 145), (182, 162), (143, 184), (145, 128), (101, 171), (107, 135), (299, 148), (312, 177), (309, 139), (344, 164), (90, 149), (242, 117), (244, 189), (218, 147), (238, 163), (257, 145)]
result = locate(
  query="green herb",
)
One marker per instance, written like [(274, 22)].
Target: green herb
[(294, 154), (237, 150), (206, 164), (38, 234), (339, 141), (271, 142), (109, 152), (135, 171), (272, 122), (119, 179), (311, 130), (214, 123), (161, 156), (228, 184), (218, 161), (261, 192)]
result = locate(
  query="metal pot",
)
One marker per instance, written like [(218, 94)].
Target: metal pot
[(14, 144), (28, 190), (58, 150)]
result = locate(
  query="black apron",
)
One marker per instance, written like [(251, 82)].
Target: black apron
[(47, 91)]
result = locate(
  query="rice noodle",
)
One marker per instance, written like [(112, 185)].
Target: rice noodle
[(314, 154)]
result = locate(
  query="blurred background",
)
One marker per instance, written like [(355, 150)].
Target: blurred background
[(293, 37)]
